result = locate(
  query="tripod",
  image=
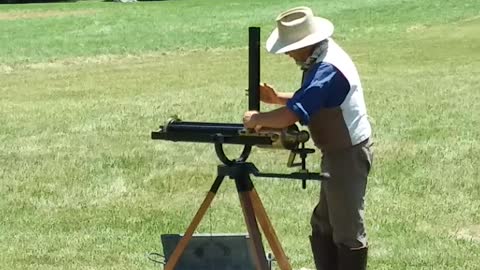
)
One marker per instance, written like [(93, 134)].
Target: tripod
[(253, 211), (252, 208)]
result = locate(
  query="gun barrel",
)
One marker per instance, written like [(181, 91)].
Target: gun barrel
[(205, 132), (204, 128)]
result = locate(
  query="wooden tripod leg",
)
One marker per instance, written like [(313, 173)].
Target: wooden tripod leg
[(269, 232), (244, 186), (182, 244), (253, 231)]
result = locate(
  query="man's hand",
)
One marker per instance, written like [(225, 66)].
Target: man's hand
[(268, 94), (250, 120)]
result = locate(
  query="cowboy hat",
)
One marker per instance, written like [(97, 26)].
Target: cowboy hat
[(298, 28)]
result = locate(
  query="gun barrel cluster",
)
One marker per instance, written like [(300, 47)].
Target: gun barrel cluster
[(204, 132)]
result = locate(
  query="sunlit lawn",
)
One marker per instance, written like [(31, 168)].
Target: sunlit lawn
[(83, 84)]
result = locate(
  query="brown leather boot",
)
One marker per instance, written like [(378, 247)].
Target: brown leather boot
[(349, 259), (324, 251)]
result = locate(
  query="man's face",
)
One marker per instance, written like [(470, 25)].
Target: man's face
[(300, 55)]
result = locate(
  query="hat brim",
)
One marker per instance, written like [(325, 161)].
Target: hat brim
[(325, 30)]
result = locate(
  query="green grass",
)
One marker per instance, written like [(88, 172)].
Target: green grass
[(55, 31), (83, 84)]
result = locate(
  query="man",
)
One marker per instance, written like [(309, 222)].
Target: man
[(330, 101)]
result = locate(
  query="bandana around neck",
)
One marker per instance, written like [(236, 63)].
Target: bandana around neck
[(317, 52)]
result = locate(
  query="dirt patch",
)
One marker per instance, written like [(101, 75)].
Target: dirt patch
[(471, 233), (415, 28), (11, 16), (78, 61), (93, 60), (5, 69), (475, 19), (464, 24), (113, 59)]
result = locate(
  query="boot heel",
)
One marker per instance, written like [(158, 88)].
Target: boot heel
[(352, 259)]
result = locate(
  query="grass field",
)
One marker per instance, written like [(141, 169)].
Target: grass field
[(83, 84)]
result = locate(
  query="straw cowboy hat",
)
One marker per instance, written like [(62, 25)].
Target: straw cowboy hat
[(298, 28)]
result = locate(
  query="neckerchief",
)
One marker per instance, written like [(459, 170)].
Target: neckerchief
[(317, 52)]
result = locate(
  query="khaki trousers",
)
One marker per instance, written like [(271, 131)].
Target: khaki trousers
[(340, 210)]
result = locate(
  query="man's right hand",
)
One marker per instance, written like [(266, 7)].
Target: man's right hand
[(268, 94)]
